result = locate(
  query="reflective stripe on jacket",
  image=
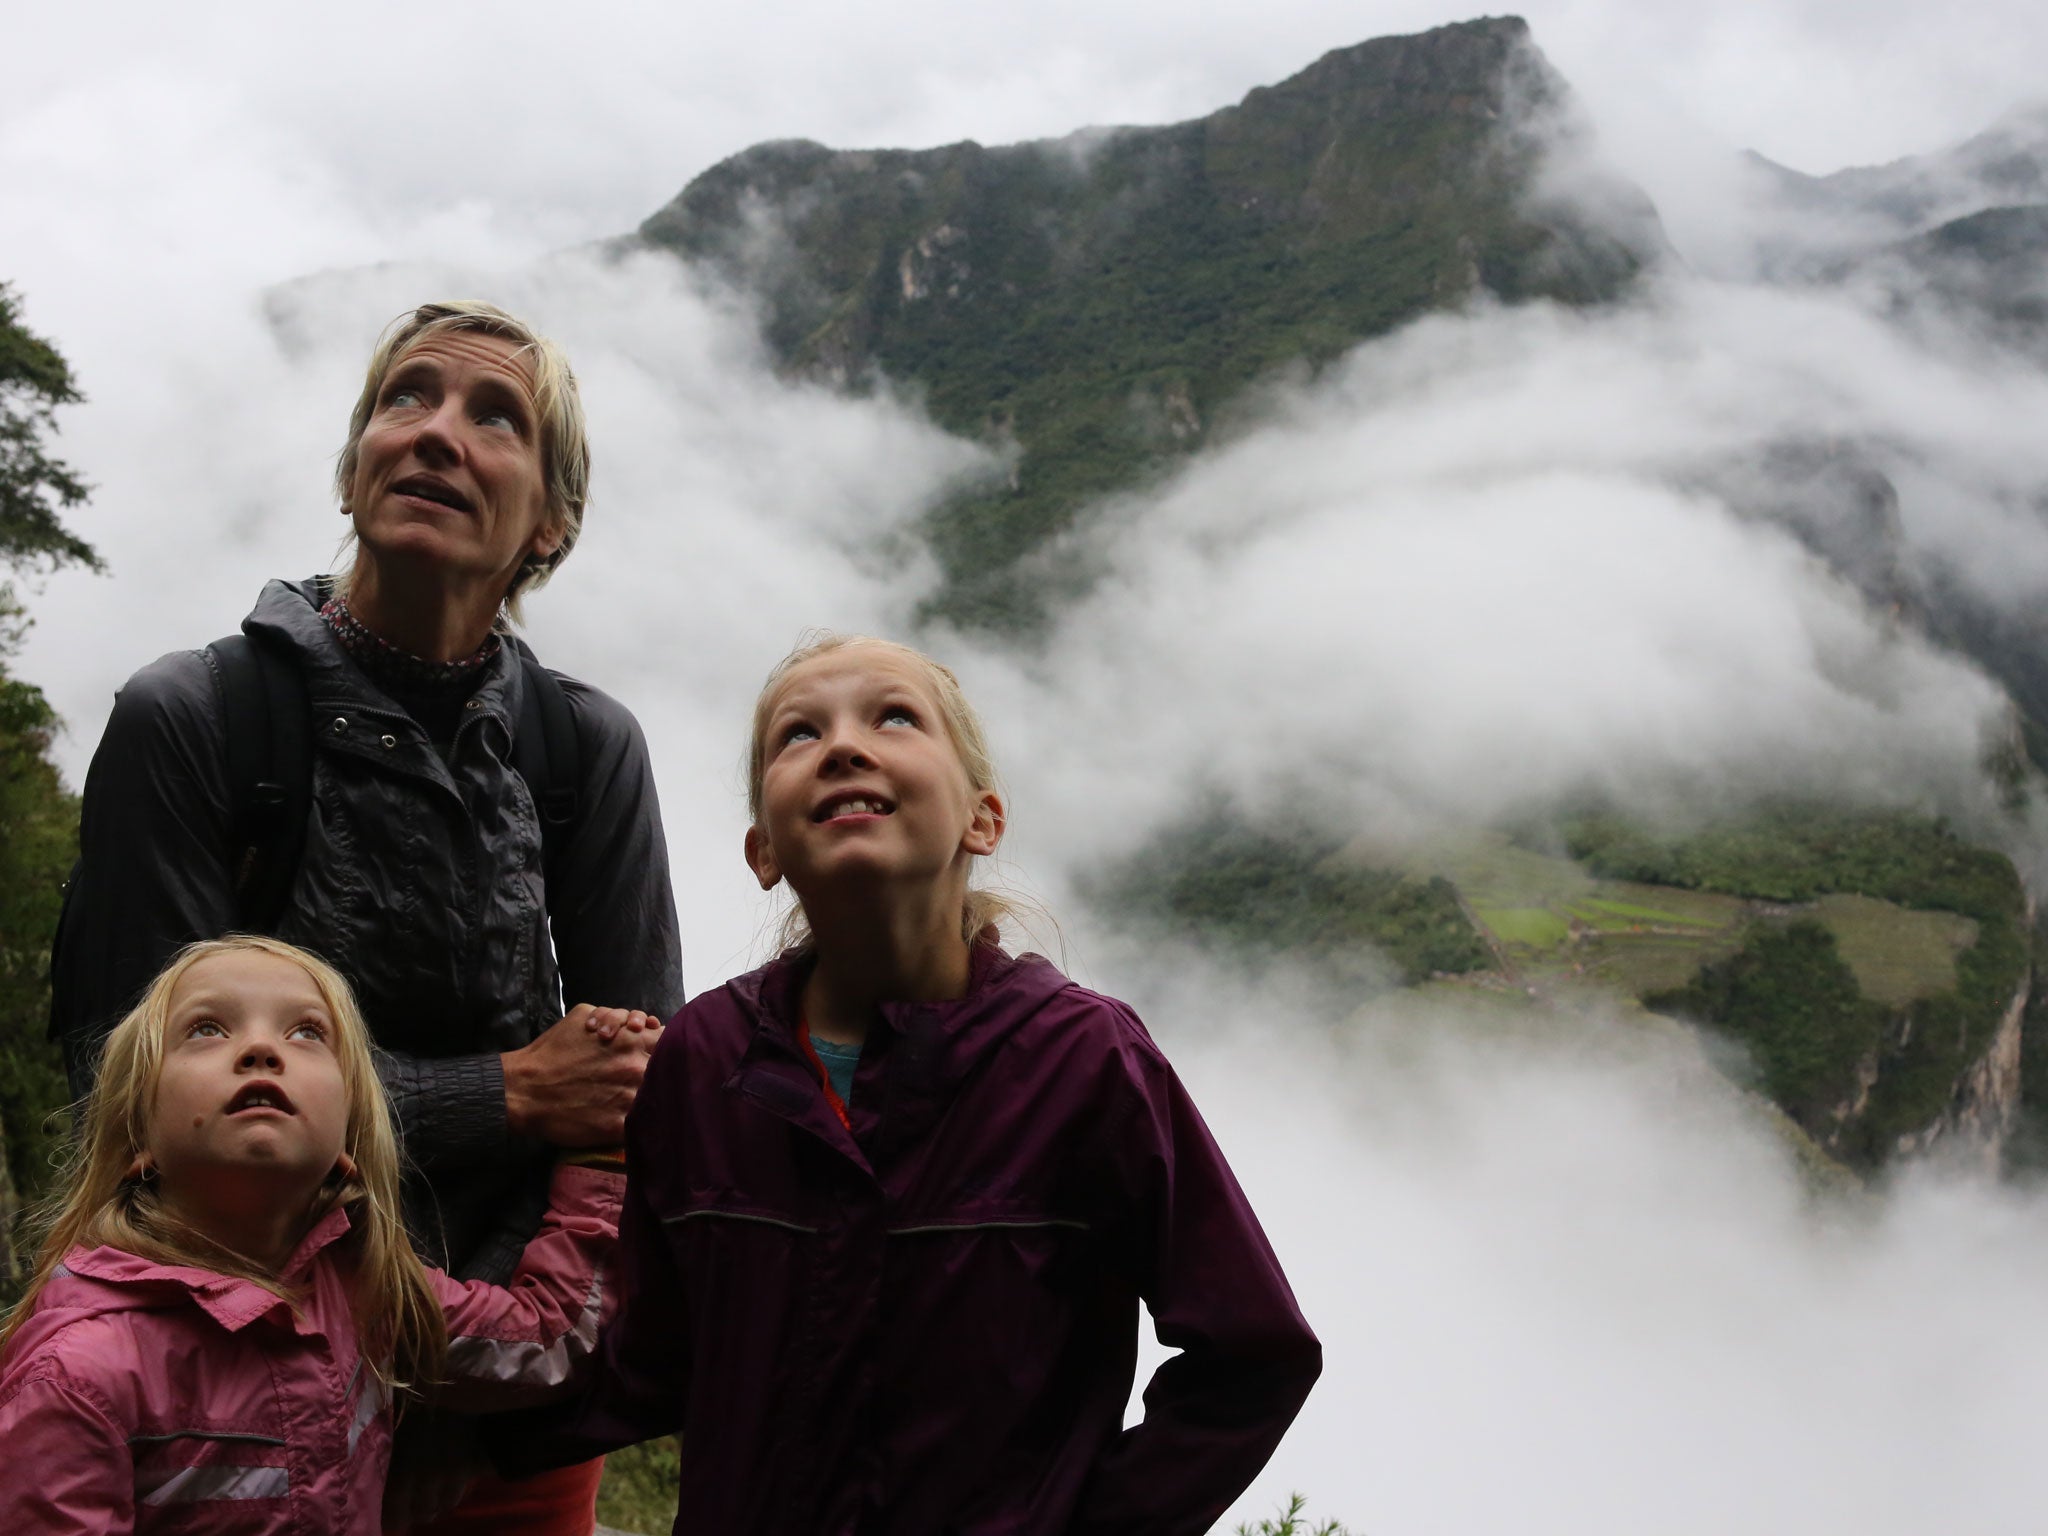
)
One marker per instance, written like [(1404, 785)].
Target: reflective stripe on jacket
[(161, 1399)]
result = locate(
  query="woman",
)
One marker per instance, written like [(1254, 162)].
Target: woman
[(423, 875)]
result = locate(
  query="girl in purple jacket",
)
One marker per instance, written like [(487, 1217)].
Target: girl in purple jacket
[(226, 1303), (893, 1201)]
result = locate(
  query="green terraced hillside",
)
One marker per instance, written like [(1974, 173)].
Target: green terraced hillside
[(1863, 960)]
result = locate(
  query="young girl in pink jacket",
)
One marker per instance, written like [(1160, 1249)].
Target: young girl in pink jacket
[(225, 1306)]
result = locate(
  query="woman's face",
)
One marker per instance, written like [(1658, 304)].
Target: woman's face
[(448, 469)]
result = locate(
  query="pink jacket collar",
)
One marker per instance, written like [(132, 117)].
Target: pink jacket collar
[(232, 1302)]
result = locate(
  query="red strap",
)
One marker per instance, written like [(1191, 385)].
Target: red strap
[(803, 1034)]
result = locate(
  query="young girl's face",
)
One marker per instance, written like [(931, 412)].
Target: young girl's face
[(860, 779), (251, 1092)]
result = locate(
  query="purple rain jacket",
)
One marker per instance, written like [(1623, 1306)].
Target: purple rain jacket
[(930, 1324)]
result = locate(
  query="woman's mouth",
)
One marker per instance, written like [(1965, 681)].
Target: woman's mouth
[(431, 488)]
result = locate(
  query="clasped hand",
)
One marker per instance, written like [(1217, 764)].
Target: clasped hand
[(573, 1085)]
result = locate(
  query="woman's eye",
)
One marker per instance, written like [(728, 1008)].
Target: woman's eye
[(401, 397), (503, 421)]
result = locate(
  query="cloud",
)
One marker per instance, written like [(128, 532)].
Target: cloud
[(1568, 1281), (1482, 565)]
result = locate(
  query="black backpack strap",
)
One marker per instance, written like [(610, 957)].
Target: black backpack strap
[(547, 753), (270, 772)]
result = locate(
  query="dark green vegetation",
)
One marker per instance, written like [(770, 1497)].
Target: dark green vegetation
[(34, 487), (1863, 959), (639, 1489), (1097, 302), (38, 819), (1814, 1031), (1265, 893)]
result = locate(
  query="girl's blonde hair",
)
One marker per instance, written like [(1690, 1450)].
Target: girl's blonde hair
[(98, 1202), (985, 910)]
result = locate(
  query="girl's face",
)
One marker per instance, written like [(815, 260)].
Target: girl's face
[(251, 1099), (861, 782)]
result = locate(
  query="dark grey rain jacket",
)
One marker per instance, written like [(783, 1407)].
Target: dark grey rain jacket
[(421, 882)]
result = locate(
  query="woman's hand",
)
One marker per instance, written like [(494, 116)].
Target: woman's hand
[(573, 1085)]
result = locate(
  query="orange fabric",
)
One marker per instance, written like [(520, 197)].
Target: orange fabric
[(803, 1034), (558, 1503)]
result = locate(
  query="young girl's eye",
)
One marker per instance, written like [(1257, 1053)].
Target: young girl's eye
[(901, 714), (307, 1029), (797, 731), (205, 1028)]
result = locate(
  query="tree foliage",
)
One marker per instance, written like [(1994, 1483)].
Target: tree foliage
[(38, 817), (1266, 892), (35, 488)]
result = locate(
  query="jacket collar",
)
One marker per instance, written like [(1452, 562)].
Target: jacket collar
[(927, 1049), (232, 1302), (289, 612)]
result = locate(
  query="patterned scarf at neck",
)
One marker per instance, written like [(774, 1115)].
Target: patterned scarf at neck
[(392, 666)]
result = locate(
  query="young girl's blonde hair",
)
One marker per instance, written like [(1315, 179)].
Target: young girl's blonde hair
[(985, 910), (99, 1202)]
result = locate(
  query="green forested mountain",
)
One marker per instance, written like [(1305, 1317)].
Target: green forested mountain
[(1094, 305), (1095, 302)]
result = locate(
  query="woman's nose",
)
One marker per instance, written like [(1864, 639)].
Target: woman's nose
[(436, 438)]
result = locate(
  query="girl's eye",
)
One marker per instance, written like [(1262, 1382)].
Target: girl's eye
[(899, 714), (798, 732), (208, 1028), (307, 1029)]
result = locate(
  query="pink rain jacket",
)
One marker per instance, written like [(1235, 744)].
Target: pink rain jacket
[(160, 1399)]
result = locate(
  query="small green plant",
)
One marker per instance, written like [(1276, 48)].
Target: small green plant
[(1292, 1523)]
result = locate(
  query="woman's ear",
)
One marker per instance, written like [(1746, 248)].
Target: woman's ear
[(548, 537), (761, 859), (985, 831)]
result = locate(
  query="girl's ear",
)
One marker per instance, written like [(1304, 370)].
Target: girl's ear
[(345, 1168), (139, 1169), (761, 859), (985, 831)]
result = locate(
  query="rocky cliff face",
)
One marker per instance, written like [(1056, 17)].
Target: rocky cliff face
[(1094, 300), (1986, 1109)]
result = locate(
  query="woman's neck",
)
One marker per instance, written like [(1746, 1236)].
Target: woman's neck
[(872, 952), (417, 611)]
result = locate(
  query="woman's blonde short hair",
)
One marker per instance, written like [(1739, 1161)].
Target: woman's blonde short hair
[(985, 909), (100, 1201), (564, 441)]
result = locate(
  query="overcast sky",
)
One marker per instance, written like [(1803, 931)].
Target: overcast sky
[(1564, 1289)]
